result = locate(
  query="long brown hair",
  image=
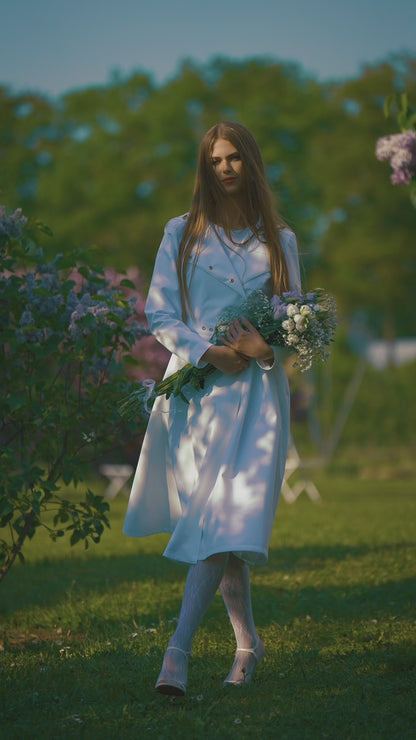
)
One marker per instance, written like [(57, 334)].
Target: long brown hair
[(209, 206)]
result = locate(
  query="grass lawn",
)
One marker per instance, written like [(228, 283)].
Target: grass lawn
[(83, 633)]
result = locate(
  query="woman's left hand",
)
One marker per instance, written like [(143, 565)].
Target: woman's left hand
[(247, 341)]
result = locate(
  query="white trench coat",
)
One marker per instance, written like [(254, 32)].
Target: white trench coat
[(210, 472)]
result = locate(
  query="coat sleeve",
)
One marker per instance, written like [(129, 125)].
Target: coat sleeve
[(163, 306), (290, 248)]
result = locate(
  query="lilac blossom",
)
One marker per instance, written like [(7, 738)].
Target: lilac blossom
[(292, 294), (400, 149), (279, 311), (11, 227), (28, 332), (47, 311), (26, 319)]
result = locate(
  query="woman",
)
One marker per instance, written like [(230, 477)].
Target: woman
[(210, 471)]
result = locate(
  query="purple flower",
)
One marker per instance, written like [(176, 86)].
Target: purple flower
[(401, 176), (26, 319), (12, 226), (292, 294), (279, 311), (279, 308), (400, 149)]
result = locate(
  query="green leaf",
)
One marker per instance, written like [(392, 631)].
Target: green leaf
[(84, 271), (404, 103), (43, 228), (75, 537), (126, 283), (6, 507), (67, 476)]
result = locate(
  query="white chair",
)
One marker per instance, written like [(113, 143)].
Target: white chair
[(118, 475), (290, 492)]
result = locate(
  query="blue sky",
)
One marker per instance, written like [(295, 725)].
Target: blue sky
[(52, 46)]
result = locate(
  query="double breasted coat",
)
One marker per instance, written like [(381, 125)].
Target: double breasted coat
[(210, 472)]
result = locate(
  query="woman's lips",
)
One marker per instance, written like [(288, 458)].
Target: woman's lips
[(229, 179)]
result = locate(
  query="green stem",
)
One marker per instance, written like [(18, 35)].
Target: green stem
[(17, 546)]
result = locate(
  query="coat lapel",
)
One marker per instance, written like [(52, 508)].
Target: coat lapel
[(215, 261)]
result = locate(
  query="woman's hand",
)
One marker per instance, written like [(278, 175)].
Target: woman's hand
[(226, 359), (246, 340)]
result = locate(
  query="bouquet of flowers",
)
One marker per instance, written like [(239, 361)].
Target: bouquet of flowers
[(304, 323)]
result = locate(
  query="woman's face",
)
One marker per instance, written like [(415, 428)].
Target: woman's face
[(228, 166)]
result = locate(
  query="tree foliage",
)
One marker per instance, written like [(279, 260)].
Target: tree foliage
[(110, 165)]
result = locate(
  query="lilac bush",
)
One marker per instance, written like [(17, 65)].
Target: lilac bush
[(400, 149), (66, 330), (147, 356)]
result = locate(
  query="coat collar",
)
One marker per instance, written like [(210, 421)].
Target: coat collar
[(216, 259)]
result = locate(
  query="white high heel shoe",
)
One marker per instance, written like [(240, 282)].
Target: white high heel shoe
[(245, 673), (167, 683)]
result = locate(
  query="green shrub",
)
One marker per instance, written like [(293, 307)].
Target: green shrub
[(64, 332)]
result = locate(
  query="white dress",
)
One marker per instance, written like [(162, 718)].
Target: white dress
[(210, 472)]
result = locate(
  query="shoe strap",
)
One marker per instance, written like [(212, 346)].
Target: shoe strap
[(172, 647), (247, 650)]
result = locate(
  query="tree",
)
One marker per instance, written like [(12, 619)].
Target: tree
[(366, 231), (112, 164)]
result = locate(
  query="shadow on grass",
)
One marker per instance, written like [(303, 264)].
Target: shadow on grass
[(46, 583), (357, 602), (153, 587)]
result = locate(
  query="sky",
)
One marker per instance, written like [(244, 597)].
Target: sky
[(53, 46)]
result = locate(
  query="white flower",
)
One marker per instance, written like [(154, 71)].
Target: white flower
[(291, 310), (301, 322), (288, 325), (306, 311), (292, 339)]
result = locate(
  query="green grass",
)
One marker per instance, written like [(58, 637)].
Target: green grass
[(83, 633)]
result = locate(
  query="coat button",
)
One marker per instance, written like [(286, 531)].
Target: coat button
[(231, 280), (211, 267), (204, 328)]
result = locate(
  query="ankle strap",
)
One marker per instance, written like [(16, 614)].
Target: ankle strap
[(172, 647), (252, 650), (247, 650)]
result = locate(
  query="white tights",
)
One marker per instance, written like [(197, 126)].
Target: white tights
[(232, 575)]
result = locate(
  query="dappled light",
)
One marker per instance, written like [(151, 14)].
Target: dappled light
[(243, 415)]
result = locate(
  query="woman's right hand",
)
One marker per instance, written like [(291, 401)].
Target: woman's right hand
[(225, 359)]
